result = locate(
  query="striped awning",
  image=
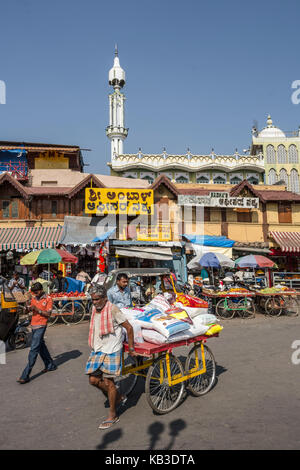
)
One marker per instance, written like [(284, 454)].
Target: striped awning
[(30, 237), (288, 241)]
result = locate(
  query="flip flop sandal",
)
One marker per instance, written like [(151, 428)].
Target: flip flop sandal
[(109, 422)]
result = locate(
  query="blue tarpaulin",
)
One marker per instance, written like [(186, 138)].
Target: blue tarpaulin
[(104, 235), (210, 240)]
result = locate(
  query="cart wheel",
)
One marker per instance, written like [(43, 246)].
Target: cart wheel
[(54, 316), (290, 306), (20, 340), (273, 306), (249, 311), (126, 383), (160, 395), (76, 310), (224, 312), (202, 383)]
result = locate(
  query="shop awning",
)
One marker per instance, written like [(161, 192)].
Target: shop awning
[(84, 231), (210, 240), (200, 250), (27, 238), (288, 241), (150, 252)]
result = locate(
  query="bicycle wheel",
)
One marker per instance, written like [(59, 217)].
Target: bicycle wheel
[(54, 316), (290, 306), (202, 383), (273, 306), (126, 383), (248, 308), (224, 311), (76, 312), (160, 395)]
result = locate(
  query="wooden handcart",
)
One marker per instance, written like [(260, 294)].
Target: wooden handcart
[(165, 375), (227, 304), (276, 303), (72, 310)]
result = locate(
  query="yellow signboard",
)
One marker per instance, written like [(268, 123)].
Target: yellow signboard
[(132, 202), (160, 233)]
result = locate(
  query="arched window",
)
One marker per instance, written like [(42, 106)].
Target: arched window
[(283, 176), (202, 179), (293, 154), (281, 154), (148, 178), (235, 180), (294, 181), (271, 155), (182, 179), (253, 180), (219, 180), (272, 177)]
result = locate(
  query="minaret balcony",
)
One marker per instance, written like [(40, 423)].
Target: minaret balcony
[(115, 131)]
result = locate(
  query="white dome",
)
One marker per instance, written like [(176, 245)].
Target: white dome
[(116, 75), (271, 131)]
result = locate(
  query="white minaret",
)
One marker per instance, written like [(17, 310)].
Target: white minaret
[(116, 131)]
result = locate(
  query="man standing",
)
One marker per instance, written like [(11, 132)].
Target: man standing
[(106, 341), (119, 294), (16, 284), (60, 283), (41, 307)]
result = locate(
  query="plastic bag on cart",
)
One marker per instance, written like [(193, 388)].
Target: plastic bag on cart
[(213, 329), (164, 324), (159, 302), (132, 313), (152, 336), (190, 301), (192, 311), (180, 314), (137, 332)]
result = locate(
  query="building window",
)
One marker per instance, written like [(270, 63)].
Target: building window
[(54, 208), (284, 213), (14, 209), (294, 181), (281, 154), (182, 179), (293, 154), (206, 214), (283, 176), (202, 179), (219, 180), (244, 216), (253, 180), (272, 177), (235, 180), (5, 209), (271, 155)]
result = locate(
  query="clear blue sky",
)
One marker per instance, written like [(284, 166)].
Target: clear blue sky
[(198, 73)]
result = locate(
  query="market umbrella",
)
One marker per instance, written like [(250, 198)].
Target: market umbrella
[(255, 261), (48, 256), (215, 260)]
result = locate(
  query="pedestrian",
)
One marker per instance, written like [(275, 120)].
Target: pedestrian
[(106, 340), (99, 277), (83, 276), (59, 283), (119, 294), (41, 308), (16, 284)]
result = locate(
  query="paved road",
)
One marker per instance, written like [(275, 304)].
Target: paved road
[(254, 405)]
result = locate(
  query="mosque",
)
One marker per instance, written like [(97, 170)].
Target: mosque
[(273, 155)]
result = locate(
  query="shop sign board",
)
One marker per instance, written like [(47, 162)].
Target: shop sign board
[(159, 233), (102, 201), (219, 200)]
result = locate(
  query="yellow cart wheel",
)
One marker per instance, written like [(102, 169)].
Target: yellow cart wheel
[(162, 397), (200, 358)]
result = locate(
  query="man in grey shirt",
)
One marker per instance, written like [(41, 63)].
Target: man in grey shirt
[(119, 294)]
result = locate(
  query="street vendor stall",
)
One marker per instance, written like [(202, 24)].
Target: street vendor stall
[(276, 301), (71, 307), (228, 303)]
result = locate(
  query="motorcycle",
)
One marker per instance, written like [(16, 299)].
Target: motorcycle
[(18, 336)]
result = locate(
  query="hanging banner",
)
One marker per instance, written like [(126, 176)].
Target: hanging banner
[(118, 201), (219, 201)]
